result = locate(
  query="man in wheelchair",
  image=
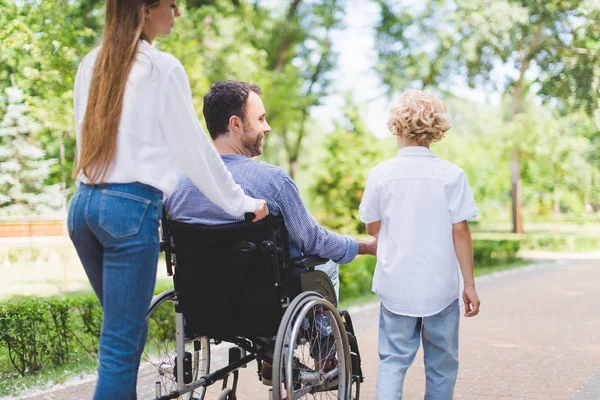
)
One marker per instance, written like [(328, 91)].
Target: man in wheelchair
[(236, 120)]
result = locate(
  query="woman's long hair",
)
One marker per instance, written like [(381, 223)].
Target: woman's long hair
[(119, 46)]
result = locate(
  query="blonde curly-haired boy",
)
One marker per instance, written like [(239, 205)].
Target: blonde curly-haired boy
[(417, 205)]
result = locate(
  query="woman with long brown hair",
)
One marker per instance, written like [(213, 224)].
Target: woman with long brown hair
[(136, 132)]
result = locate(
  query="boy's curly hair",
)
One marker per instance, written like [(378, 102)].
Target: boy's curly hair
[(419, 116)]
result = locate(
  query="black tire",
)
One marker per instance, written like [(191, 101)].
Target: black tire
[(310, 340), (356, 368), (158, 358), (357, 376)]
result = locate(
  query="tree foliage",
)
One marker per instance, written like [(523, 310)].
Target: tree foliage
[(338, 184), (23, 166), (545, 47)]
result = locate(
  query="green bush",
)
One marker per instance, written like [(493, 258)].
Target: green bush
[(489, 252), (561, 243), (86, 319), (14, 255), (48, 332), (356, 277), (35, 333)]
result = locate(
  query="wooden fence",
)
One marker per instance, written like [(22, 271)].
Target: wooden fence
[(31, 228)]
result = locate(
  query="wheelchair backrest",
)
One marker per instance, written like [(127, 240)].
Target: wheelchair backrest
[(232, 279)]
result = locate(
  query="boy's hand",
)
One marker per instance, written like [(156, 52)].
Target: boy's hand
[(471, 301)]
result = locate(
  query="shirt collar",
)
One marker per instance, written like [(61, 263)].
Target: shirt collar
[(233, 157), (145, 45), (416, 151)]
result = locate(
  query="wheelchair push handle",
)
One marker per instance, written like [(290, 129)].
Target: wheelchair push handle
[(249, 217)]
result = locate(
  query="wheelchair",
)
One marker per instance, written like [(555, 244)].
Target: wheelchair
[(236, 284)]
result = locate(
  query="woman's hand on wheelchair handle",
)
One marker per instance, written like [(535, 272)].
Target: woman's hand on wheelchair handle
[(261, 210)]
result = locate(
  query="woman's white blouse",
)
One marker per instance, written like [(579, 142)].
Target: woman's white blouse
[(159, 136)]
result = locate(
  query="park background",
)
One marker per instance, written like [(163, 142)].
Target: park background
[(521, 79)]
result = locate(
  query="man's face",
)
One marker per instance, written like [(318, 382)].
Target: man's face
[(255, 126)]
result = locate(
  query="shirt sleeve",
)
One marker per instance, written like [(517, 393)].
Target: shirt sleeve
[(306, 234), (369, 209), (193, 152), (461, 202)]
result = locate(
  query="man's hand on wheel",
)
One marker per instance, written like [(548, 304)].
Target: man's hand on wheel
[(261, 210)]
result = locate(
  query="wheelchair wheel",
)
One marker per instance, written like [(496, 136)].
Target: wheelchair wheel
[(311, 356), (357, 376), (356, 369), (158, 359)]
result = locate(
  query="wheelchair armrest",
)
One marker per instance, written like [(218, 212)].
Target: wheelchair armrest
[(308, 261)]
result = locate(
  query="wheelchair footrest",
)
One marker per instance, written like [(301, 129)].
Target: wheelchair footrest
[(236, 354)]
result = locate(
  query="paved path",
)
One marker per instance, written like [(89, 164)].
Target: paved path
[(537, 337)]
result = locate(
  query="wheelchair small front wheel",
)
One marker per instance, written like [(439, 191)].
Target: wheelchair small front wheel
[(157, 363), (311, 356)]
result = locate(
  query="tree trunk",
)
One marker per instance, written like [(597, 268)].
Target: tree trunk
[(293, 151), (516, 159), (286, 40), (293, 167), (525, 57), (516, 191)]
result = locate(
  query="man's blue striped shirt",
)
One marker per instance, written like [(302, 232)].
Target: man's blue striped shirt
[(264, 181)]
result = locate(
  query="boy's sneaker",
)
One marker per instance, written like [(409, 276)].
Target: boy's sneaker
[(266, 374)]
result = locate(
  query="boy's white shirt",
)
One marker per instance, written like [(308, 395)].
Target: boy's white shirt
[(417, 197)]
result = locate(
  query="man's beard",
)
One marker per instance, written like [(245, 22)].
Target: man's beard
[(254, 146)]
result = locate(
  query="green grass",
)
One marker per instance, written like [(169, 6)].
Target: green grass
[(546, 236), (501, 267)]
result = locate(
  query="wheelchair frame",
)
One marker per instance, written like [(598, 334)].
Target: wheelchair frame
[(255, 348)]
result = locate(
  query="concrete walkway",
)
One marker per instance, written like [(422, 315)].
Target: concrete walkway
[(537, 337)]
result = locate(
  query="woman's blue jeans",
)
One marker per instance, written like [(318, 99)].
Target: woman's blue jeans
[(114, 228)]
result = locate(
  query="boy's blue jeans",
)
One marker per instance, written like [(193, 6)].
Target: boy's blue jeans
[(399, 340), (114, 228)]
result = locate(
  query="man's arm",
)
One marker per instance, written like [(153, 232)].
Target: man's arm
[(307, 235), (463, 246), (367, 247)]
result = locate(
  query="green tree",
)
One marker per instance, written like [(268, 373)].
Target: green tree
[(350, 152), (41, 44), (23, 169), (444, 41), (286, 50)]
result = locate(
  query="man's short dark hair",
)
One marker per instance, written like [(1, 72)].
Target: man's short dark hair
[(225, 99)]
